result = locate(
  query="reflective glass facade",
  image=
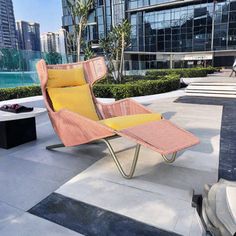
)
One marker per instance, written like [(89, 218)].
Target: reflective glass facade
[(168, 33), (133, 4), (198, 26), (100, 19)]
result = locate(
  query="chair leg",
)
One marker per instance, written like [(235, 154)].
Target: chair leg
[(169, 160), (121, 170), (55, 146)]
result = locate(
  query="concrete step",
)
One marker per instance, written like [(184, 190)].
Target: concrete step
[(209, 79), (210, 91), (213, 88), (225, 84), (211, 95)]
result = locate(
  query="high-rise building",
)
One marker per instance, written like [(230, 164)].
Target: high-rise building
[(28, 35), (7, 25), (168, 33), (62, 41), (53, 42)]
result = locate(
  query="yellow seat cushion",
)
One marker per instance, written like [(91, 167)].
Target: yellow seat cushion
[(58, 78), (124, 122), (76, 99)]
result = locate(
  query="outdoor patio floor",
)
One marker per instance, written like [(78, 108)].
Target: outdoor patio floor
[(160, 195)]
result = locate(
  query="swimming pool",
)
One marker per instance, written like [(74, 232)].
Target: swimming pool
[(16, 79)]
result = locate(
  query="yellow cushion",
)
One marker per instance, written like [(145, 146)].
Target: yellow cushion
[(64, 78), (124, 122), (76, 99)]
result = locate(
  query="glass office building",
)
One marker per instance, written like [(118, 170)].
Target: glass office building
[(169, 33), (182, 33), (99, 22)]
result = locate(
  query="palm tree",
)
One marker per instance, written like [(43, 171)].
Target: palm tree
[(114, 46), (79, 10), (123, 32)]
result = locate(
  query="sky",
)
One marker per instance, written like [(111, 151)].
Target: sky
[(47, 13)]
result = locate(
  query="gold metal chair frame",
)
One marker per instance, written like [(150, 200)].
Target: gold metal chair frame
[(131, 172)]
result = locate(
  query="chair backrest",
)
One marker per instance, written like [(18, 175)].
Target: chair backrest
[(77, 98)]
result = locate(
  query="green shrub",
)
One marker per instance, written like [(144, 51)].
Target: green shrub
[(19, 92), (133, 78), (185, 73), (138, 87)]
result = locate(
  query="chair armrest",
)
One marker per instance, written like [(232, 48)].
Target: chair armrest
[(74, 129), (121, 108)]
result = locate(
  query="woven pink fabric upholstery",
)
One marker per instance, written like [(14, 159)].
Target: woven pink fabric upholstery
[(121, 108), (161, 136)]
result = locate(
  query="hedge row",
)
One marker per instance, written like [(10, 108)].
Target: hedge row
[(138, 88), (117, 91), (134, 78), (19, 92), (184, 73)]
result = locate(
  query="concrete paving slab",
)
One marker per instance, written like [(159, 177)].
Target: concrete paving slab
[(73, 159), (144, 206), (197, 228), (22, 191), (30, 225), (8, 213), (13, 165)]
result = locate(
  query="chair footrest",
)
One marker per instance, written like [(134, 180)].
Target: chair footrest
[(161, 136)]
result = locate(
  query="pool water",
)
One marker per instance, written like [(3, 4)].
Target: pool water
[(16, 79)]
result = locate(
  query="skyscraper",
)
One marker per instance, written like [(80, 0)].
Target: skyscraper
[(62, 41), (28, 35), (50, 42), (7, 25)]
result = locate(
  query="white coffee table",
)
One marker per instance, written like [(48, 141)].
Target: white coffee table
[(18, 128)]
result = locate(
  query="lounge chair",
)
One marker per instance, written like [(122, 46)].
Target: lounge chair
[(79, 118)]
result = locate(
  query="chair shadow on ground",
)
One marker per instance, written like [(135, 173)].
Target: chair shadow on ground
[(168, 115), (205, 136)]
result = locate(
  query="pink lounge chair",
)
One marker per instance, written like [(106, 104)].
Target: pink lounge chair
[(125, 118)]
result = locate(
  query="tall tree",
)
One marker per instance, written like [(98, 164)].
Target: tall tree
[(79, 10), (114, 46)]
